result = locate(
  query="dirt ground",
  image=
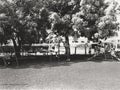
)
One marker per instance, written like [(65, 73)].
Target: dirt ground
[(86, 75)]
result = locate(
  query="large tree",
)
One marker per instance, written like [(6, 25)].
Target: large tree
[(108, 24), (90, 16), (26, 21), (61, 15), (15, 26)]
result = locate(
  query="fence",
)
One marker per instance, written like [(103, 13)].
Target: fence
[(45, 49)]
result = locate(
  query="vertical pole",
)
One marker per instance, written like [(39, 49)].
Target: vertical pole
[(85, 49), (75, 50), (49, 53), (58, 50)]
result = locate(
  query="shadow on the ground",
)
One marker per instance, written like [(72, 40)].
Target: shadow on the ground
[(39, 62)]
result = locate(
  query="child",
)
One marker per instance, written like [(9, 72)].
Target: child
[(112, 53)]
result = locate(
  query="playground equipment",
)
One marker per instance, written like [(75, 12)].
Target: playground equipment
[(105, 48)]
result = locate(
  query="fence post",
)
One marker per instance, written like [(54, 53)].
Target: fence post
[(75, 50), (85, 49)]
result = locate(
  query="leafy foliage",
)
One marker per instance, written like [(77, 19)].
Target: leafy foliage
[(107, 24), (86, 19)]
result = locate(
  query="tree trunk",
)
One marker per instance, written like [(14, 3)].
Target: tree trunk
[(59, 48), (85, 49), (16, 48), (67, 48)]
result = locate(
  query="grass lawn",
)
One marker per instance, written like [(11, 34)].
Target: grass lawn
[(79, 75)]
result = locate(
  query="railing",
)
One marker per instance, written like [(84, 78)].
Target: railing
[(45, 50), (82, 48)]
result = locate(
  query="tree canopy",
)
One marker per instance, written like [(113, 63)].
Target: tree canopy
[(93, 17)]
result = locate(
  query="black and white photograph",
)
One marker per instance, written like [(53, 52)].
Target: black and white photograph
[(59, 44)]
